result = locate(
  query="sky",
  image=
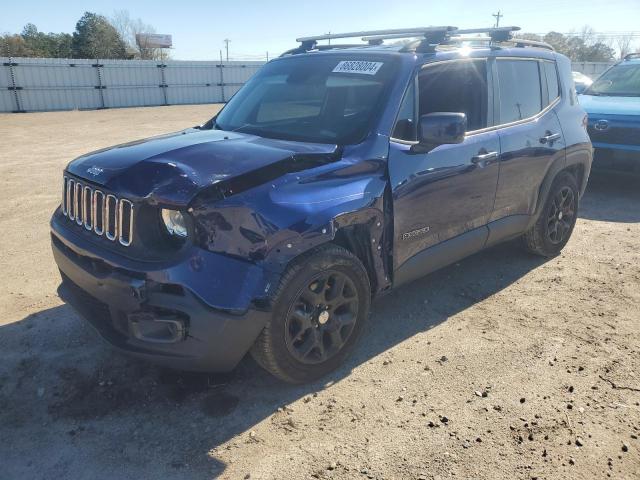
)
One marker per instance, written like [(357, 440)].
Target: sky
[(256, 27)]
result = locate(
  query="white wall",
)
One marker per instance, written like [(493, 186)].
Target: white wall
[(590, 69), (43, 84)]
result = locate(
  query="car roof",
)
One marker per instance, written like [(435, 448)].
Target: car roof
[(439, 53)]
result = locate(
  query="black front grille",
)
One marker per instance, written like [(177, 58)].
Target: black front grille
[(97, 211)]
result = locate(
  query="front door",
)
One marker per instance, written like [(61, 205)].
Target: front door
[(443, 198)]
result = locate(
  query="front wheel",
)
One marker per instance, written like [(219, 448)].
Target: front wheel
[(552, 230), (319, 311)]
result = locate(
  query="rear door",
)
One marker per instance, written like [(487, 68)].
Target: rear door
[(531, 138), (447, 193)]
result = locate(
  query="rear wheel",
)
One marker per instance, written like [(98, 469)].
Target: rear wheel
[(552, 230), (319, 311)]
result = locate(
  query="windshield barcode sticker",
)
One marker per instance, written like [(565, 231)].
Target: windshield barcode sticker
[(358, 66)]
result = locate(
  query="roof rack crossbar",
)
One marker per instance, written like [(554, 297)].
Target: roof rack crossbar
[(489, 30), (302, 49), (368, 33), (521, 42), (427, 38), (631, 56)]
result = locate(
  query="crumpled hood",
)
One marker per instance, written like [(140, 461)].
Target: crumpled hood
[(602, 105), (171, 169)]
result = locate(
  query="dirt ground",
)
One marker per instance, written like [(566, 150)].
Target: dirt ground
[(503, 366)]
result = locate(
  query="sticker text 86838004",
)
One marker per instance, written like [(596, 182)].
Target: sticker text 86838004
[(358, 66)]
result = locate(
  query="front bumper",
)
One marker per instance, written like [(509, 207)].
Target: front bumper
[(156, 312)]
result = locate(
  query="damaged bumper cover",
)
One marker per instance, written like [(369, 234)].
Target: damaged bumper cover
[(196, 313)]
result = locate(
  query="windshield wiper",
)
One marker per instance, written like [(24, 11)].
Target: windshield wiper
[(241, 127)]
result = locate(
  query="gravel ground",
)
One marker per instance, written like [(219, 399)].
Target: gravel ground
[(503, 366)]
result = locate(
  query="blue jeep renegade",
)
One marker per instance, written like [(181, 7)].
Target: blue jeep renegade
[(336, 173), (613, 105)]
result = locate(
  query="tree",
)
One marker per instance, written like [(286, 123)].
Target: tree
[(623, 43), (39, 44), (14, 46), (95, 37), (584, 46), (128, 28)]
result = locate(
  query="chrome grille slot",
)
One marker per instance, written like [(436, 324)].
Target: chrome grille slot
[(87, 212), (99, 212), (71, 190), (111, 217), (64, 195), (77, 206), (125, 222)]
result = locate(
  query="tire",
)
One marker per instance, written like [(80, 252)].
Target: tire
[(552, 230), (319, 311)]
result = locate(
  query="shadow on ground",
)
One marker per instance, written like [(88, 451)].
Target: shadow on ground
[(57, 374), (612, 197), (87, 384)]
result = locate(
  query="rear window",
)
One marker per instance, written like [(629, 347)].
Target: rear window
[(552, 80), (520, 89), (324, 99)]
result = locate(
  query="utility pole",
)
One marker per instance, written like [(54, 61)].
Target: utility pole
[(226, 43), (497, 16)]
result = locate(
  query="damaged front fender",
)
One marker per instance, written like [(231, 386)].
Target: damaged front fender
[(273, 222)]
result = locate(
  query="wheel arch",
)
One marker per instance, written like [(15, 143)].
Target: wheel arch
[(577, 163)]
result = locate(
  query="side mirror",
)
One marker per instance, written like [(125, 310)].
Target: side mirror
[(442, 128)]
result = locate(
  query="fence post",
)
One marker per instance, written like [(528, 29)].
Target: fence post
[(163, 82), (13, 86), (100, 86), (222, 78)]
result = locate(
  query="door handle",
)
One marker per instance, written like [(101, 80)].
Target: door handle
[(484, 158), (550, 138)]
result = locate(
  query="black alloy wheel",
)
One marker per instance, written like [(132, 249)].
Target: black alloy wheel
[(561, 215), (322, 317), (554, 225), (319, 311)]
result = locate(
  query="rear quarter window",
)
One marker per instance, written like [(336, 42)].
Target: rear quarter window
[(551, 74), (520, 89)]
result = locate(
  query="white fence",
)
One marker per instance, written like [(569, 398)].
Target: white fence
[(590, 69), (41, 84)]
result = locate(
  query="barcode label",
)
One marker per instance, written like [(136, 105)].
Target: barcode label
[(358, 66)]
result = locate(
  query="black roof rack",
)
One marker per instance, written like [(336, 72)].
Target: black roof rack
[(631, 56), (431, 37)]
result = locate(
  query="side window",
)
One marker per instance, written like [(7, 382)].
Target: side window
[(459, 87), (520, 89), (552, 80), (405, 128)]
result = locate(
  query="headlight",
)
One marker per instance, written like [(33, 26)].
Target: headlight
[(175, 222)]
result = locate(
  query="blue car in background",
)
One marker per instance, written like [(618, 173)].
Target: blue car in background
[(613, 105), (581, 81)]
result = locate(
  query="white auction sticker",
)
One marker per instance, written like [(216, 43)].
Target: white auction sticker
[(358, 66)]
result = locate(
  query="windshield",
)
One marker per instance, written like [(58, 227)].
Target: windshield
[(621, 80), (321, 99)]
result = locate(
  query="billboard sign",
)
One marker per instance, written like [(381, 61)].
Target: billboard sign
[(153, 40)]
